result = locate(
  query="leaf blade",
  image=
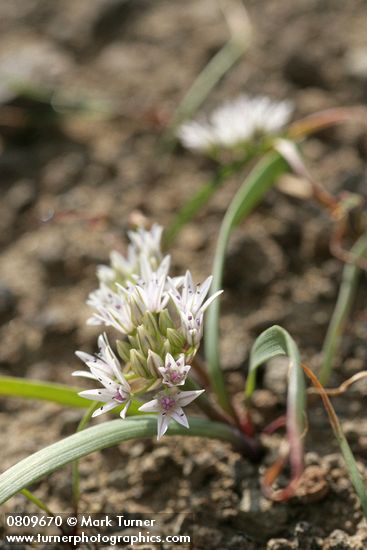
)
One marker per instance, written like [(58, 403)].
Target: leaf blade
[(51, 392), (107, 434), (247, 197), (273, 342)]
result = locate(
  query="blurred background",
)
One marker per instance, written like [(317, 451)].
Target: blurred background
[(87, 89)]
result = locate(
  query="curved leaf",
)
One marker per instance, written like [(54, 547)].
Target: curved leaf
[(247, 197), (99, 437), (271, 343)]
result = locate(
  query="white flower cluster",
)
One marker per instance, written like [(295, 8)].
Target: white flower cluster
[(236, 123), (160, 320)]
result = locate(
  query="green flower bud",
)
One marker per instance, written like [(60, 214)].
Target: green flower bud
[(154, 362), (134, 343), (176, 339), (138, 363), (145, 340), (165, 322), (151, 325), (123, 349)]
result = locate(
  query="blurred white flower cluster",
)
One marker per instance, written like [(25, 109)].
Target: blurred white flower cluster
[(236, 123), (160, 321)]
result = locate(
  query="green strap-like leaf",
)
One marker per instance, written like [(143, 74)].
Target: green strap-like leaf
[(99, 437), (44, 391), (222, 62), (247, 197), (54, 393), (271, 343), (343, 305)]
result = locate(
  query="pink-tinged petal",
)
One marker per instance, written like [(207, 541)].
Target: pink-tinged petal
[(180, 417), (96, 395), (105, 408), (169, 361), (150, 406), (186, 397), (83, 373), (163, 421)]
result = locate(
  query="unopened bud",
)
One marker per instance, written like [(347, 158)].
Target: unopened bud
[(123, 349)]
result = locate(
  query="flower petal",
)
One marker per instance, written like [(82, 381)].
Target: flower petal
[(163, 421), (186, 397), (105, 408), (150, 406), (180, 417)]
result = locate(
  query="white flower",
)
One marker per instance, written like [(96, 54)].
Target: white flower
[(147, 273), (148, 243), (174, 372), (236, 122), (105, 367), (169, 406), (191, 305), (112, 309)]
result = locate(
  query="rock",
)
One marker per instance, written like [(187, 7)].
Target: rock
[(21, 195), (356, 64), (339, 540), (280, 544), (30, 60)]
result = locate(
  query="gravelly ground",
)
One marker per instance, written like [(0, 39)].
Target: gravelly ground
[(140, 58)]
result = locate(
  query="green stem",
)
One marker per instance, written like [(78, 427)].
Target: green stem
[(37, 501), (75, 476), (354, 474), (342, 308), (247, 197)]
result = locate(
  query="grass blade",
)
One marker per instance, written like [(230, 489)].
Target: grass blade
[(80, 444), (247, 197), (48, 391), (342, 308), (350, 462), (272, 342), (44, 391), (217, 67)]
